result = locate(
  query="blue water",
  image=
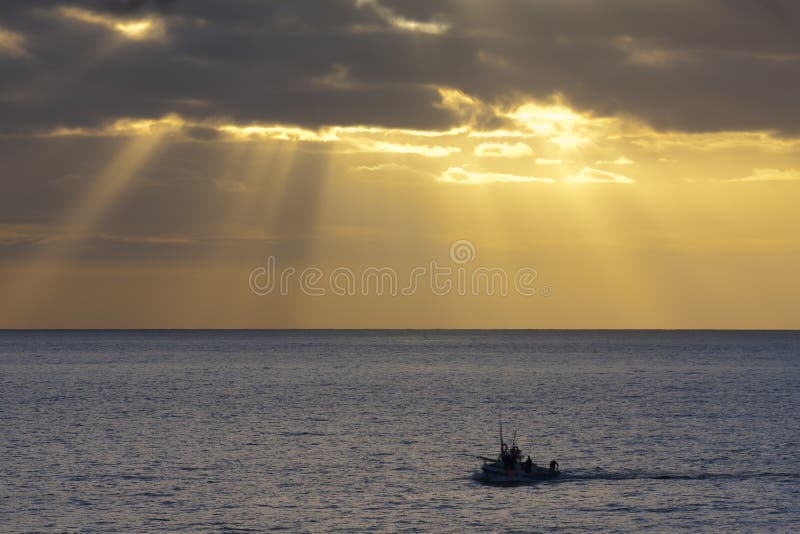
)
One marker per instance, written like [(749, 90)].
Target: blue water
[(372, 431)]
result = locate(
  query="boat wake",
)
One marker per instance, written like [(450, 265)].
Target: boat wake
[(602, 474), (599, 474)]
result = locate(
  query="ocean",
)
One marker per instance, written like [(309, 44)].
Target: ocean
[(360, 431)]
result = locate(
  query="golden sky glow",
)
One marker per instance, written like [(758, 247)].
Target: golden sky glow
[(12, 44), (559, 143), (135, 29), (139, 198)]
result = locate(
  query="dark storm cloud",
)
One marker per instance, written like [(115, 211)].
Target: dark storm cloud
[(132, 6), (695, 66)]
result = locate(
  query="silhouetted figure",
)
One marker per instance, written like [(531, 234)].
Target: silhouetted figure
[(528, 464), (507, 457), (553, 466)]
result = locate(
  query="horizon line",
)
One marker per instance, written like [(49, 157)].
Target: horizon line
[(399, 329)]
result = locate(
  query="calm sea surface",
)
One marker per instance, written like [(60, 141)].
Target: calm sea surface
[(372, 431)]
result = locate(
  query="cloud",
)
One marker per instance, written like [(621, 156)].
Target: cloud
[(430, 151), (279, 132), (503, 150), (392, 171), (769, 175), (557, 122), (337, 78), (381, 167), (641, 53), (588, 175), (458, 175), (400, 23), (127, 127), (134, 29), (12, 44), (350, 140), (548, 161), (622, 160), (303, 63)]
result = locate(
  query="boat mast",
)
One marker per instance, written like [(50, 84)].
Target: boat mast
[(500, 412)]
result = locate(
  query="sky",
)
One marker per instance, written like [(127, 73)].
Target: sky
[(400, 164)]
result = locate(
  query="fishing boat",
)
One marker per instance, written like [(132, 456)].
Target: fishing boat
[(509, 467), (498, 471)]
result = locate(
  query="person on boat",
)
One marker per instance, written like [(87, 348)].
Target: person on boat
[(516, 454), (506, 457), (553, 466), (528, 464)]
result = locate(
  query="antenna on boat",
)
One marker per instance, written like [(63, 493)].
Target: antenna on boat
[(500, 413)]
